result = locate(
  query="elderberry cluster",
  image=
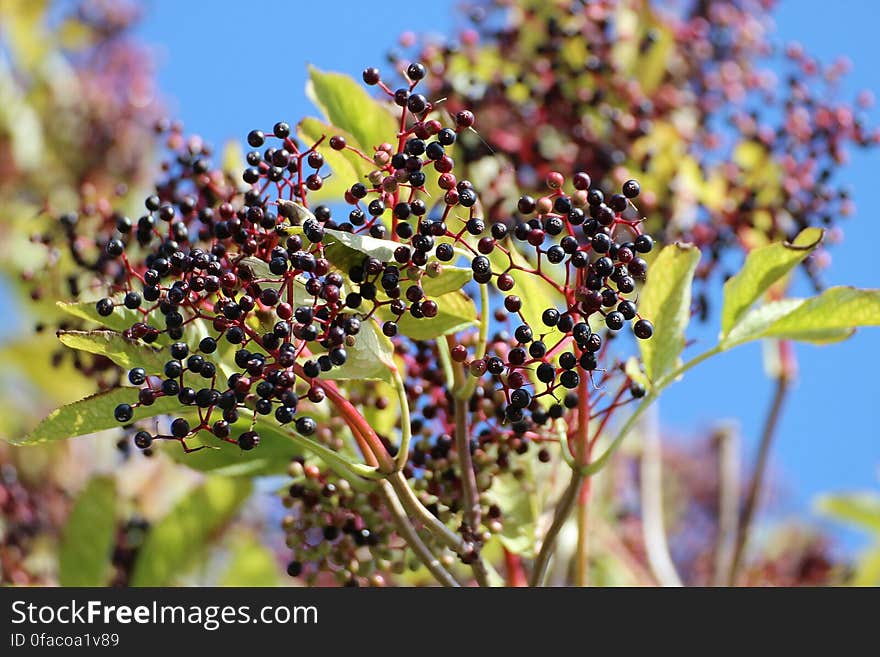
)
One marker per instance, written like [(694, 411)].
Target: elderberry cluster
[(333, 529), (250, 303), (260, 271), (595, 250)]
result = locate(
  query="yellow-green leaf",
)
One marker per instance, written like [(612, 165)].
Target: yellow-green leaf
[(519, 508), (837, 308), (861, 509), (450, 279), (119, 320), (347, 105), (763, 267), (87, 542), (94, 413), (828, 317), (348, 249), (371, 357), (666, 301), (456, 312), (179, 540), (123, 352)]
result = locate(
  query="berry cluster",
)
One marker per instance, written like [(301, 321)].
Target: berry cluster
[(252, 300), (598, 259), (31, 514), (332, 529), (264, 281)]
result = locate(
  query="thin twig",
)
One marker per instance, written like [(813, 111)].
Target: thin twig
[(469, 488), (432, 524), (582, 457), (653, 526), (756, 483), (582, 553), (727, 445), (563, 510), (409, 534)]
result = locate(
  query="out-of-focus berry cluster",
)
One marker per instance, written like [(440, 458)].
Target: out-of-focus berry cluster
[(733, 155)]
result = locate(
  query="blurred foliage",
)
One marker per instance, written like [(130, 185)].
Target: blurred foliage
[(860, 511), (77, 132)]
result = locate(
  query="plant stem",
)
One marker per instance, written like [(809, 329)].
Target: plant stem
[(653, 527), (757, 480), (727, 445), (563, 509), (354, 473), (405, 423), (418, 511), (469, 488), (582, 561), (431, 523), (582, 455), (469, 384), (466, 465), (445, 360), (356, 422), (409, 534), (516, 576)]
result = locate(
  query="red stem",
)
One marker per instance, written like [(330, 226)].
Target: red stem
[(516, 575)]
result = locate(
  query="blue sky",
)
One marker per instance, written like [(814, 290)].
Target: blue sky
[(241, 65)]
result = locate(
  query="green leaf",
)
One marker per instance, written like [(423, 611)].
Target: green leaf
[(861, 509), (87, 543), (828, 317), (252, 564), (119, 320), (763, 267), (450, 279), (178, 541), (519, 507), (371, 357), (297, 213), (666, 301), (271, 457), (347, 105), (347, 249), (346, 166), (455, 312), (123, 352), (867, 570), (837, 308), (94, 413)]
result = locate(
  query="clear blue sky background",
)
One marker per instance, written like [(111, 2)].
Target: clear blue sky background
[(229, 66)]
